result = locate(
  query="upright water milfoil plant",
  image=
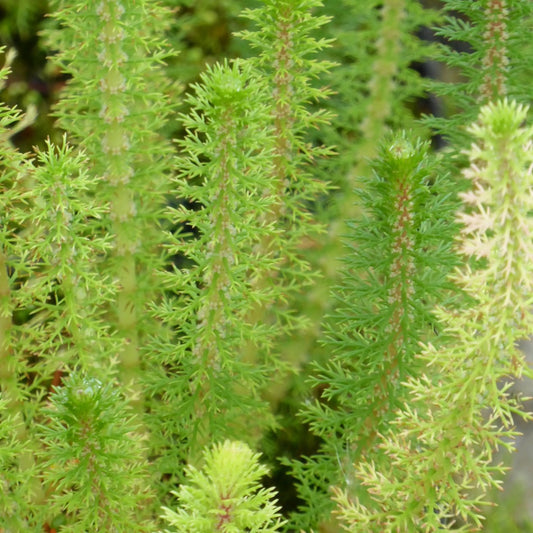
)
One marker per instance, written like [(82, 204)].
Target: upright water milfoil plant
[(485, 46), (17, 452), (205, 389), (441, 451), (226, 494), (94, 471), (397, 257), (114, 105), (285, 37), (377, 45), (135, 336)]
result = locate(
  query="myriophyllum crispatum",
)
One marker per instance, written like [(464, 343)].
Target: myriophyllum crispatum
[(226, 494), (441, 451), (398, 255), (94, 467)]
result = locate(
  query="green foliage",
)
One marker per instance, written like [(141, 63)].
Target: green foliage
[(284, 39), (491, 55), (93, 458), (226, 495), (441, 449), (397, 259), (374, 44), (222, 177), (159, 306), (17, 451), (65, 294), (114, 106)]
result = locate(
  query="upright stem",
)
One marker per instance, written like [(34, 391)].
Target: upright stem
[(381, 86)]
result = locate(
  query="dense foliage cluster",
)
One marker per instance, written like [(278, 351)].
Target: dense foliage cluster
[(284, 232)]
